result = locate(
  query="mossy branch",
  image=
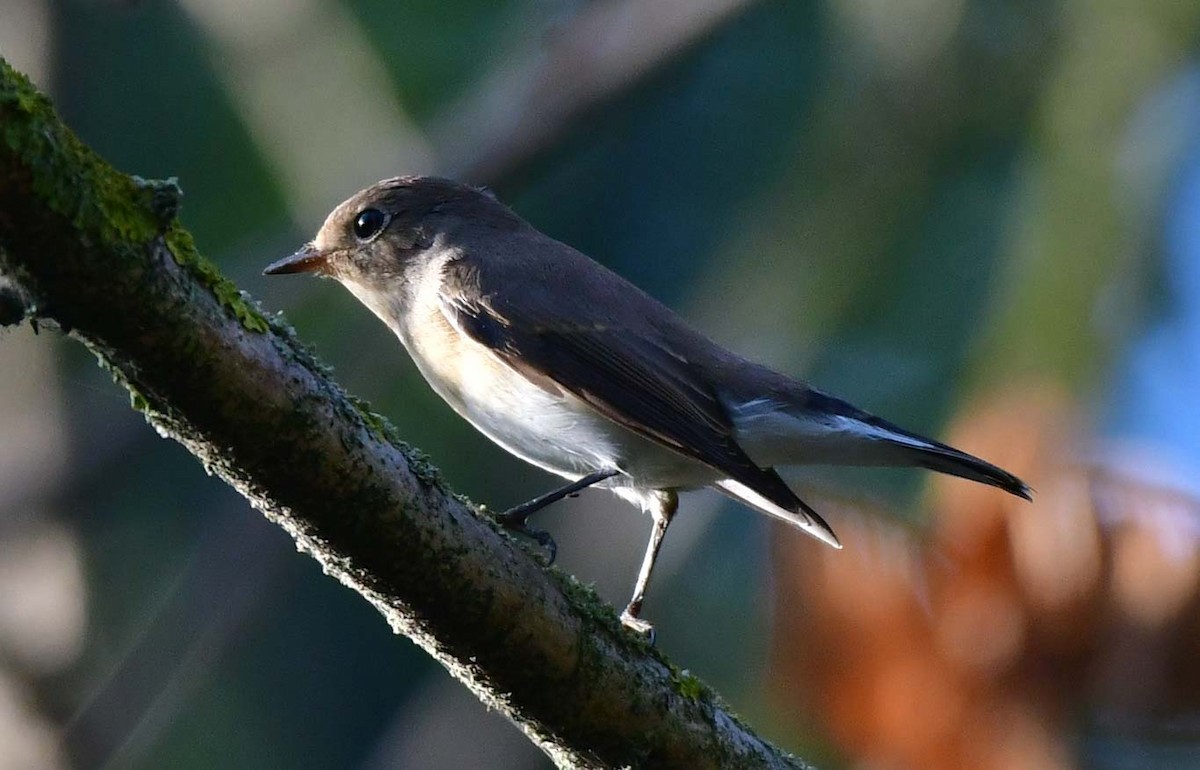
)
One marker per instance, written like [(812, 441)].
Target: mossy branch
[(102, 256)]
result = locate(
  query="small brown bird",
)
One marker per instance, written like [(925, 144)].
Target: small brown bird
[(574, 369)]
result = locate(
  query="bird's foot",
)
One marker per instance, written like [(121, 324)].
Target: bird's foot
[(515, 521), (638, 626)]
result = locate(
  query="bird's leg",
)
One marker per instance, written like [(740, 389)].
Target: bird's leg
[(668, 503), (515, 518)]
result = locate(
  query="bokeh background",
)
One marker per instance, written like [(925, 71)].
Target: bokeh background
[(980, 218)]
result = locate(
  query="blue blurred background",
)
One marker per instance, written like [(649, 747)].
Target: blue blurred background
[(980, 218)]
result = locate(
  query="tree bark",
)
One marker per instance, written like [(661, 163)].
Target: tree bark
[(102, 256)]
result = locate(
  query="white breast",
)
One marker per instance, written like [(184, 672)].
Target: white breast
[(552, 429), (555, 432)]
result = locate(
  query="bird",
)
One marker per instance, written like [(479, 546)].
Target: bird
[(570, 367)]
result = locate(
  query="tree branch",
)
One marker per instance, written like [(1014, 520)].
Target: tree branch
[(101, 255)]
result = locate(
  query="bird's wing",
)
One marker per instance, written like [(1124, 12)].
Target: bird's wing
[(627, 376)]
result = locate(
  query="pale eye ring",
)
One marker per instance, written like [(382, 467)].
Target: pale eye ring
[(369, 223)]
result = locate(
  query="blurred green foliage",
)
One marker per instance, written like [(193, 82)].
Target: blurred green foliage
[(902, 208)]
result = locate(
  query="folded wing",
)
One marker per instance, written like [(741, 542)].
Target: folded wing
[(625, 375)]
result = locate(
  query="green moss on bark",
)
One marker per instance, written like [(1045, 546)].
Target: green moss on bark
[(104, 256), (97, 199)]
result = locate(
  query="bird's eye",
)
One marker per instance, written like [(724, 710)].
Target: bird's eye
[(369, 223)]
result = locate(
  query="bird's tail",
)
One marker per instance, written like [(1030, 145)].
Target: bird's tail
[(936, 456), (818, 429)]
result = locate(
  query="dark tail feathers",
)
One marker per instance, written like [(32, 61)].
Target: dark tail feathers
[(939, 457)]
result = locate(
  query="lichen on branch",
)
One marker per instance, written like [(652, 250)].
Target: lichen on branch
[(103, 256)]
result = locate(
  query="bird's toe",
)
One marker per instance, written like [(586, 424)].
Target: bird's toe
[(638, 626)]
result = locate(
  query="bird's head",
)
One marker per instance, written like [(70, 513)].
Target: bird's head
[(392, 229)]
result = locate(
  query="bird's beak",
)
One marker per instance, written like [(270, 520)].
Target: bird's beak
[(308, 259)]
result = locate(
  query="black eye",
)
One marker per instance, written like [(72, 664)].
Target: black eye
[(369, 223)]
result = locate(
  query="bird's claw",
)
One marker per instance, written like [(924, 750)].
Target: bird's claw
[(542, 537), (516, 523), (638, 626)]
